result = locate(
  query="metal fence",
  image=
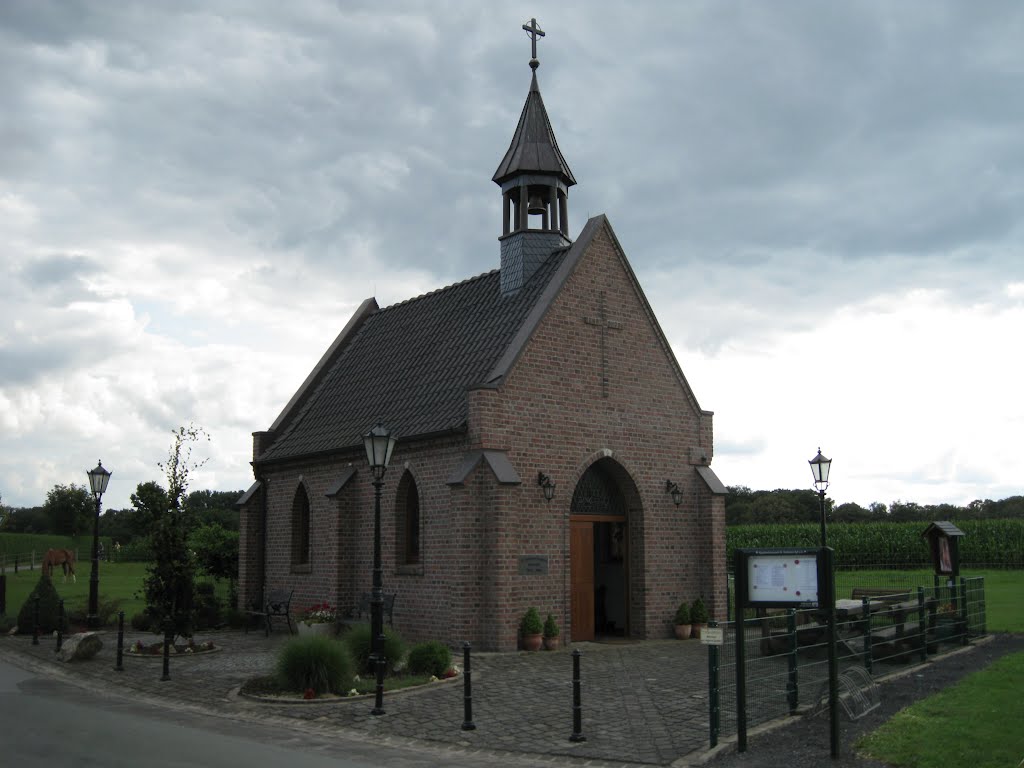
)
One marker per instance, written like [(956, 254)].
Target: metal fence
[(881, 628)]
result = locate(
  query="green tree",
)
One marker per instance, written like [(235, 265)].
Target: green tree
[(216, 552), (71, 509), (214, 507), (169, 582)]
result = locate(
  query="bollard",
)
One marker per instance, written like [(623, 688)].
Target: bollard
[(577, 708), (15, 563), (713, 698), (60, 625), (467, 691), (167, 654), (120, 642), (35, 621), (3, 594)]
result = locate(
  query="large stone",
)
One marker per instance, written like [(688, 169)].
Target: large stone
[(80, 647)]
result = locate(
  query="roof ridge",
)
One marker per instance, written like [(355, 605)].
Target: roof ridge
[(436, 291)]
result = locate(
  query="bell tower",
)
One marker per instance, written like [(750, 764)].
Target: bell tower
[(534, 180)]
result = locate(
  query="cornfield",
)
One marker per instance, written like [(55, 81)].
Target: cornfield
[(990, 543)]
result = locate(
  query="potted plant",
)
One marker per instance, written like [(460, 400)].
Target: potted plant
[(317, 619), (682, 621), (698, 616), (532, 630), (550, 633)]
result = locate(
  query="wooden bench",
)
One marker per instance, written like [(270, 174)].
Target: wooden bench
[(363, 612), (901, 608), (885, 594), (277, 605)]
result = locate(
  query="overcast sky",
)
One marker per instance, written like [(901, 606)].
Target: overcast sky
[(822, 202)]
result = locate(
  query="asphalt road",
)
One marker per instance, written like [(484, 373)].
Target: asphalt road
[(47, 722)]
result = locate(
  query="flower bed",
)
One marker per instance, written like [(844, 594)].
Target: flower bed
[(320, 613), (156, 650), (268, 688)]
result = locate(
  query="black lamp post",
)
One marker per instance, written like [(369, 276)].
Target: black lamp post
[(379, 444), (819, 468), (98, 479)]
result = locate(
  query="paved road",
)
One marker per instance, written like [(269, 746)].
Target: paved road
[(48, 722), (644, 703)]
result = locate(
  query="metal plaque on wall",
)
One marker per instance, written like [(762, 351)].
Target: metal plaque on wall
[(533, 565)]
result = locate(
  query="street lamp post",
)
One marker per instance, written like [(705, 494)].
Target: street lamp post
[(819, 468), (98, 479), (379, 443)]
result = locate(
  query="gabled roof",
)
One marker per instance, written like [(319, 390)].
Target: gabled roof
[(408, 365), (534, 148)]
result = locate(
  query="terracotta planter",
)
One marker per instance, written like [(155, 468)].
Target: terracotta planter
[(697, 630), (551, 643), (533, 642), (683, 631)]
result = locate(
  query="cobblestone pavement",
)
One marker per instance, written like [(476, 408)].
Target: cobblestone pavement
[(642, 702)]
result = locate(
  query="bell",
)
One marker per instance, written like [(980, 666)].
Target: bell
[(535, 205)]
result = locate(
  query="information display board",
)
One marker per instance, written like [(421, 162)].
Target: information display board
[(779, 577)]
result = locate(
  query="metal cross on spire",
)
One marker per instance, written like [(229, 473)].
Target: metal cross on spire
[(534, 32)]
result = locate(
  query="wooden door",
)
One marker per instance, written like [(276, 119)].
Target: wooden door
[(581, 557)]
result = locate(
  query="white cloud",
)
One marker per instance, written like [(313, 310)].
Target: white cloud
[(816, 198)]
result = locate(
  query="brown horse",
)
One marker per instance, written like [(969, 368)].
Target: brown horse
[(65, 558)]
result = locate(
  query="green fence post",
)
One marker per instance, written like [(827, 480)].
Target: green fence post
[(865, 608), (714, 705), (792, 691), (921, 624), (964, 640)]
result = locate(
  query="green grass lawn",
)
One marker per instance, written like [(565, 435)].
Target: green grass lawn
[(968, 725), (117, 581)]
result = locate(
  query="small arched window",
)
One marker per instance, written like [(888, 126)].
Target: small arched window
[(407, 521), (300, 527)]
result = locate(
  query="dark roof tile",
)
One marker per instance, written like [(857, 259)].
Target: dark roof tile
[(409, 366)]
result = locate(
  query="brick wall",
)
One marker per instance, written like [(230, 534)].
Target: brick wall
[(549, 415)]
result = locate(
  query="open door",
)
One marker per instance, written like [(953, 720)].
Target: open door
[(581, 555)]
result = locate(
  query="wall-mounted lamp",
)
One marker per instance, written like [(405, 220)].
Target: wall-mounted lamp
[(677, 495), (549, 487)]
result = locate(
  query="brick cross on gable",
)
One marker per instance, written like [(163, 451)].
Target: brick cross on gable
[(605, 324)]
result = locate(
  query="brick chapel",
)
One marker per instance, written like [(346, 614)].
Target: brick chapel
[(548, 376)]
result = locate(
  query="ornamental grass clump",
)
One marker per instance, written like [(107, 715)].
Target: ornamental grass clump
[(314, 662), (430, 658), (357, 640)]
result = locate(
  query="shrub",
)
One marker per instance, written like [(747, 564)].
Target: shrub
[(235, 618), (142, 622), (206, 606), (531, 623), (106, 611), (430, 658), (683, 613), (550, 627), (314, 661), (49, 607), (358, 642), (698, 613)]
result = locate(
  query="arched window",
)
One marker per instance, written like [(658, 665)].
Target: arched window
[(300, 527), (407, 521)]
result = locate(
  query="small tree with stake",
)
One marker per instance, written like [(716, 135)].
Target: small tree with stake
[(168, 585)]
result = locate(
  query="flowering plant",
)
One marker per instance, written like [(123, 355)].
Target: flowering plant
[(320, 613)]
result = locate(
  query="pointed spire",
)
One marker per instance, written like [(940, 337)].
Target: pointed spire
[(534, 148), (534, 180)]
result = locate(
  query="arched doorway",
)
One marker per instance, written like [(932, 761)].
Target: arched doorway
[(599, 552)]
